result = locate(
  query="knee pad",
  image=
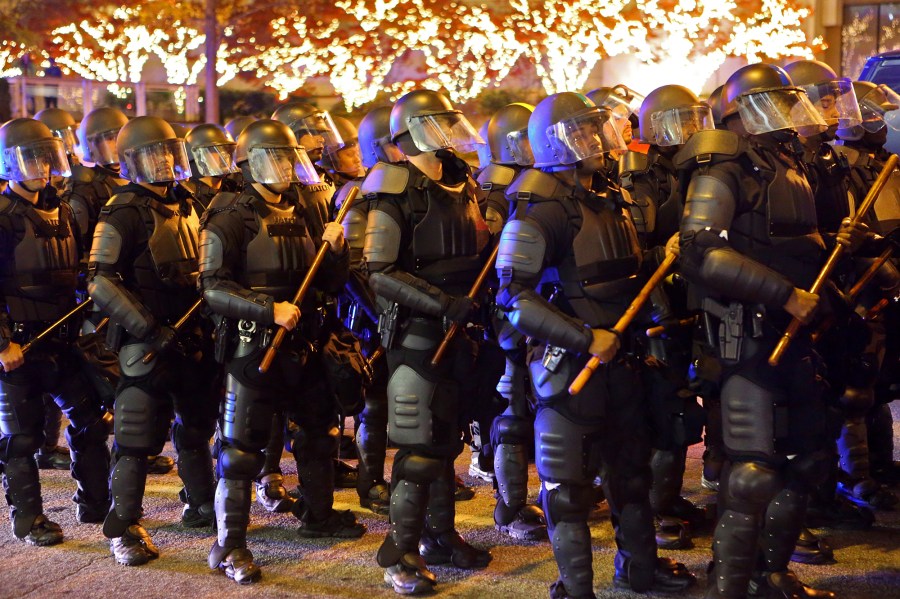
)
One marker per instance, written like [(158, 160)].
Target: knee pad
[(858, 400), (138, 425), (567, 503), (237, 464), (511, 429), (21, 446), (247, 415), (18, 413), (751, 485), (410, 397), (806, 472), (419, 469), (191, 437)]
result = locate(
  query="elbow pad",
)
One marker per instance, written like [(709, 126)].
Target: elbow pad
[(411, 292), (240, 303), (122, 308), (737, 276), (534, 316)]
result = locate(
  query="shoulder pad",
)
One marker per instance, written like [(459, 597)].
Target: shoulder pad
[(221, 200), (120, 199), (5, 203), (496, 174), (708, 146), (82, 174), (386, 178), (344, 191), (634, 162), (535, 186), (851, 154)]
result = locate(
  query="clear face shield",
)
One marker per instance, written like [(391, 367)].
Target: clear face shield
[(102, 148), (214, 161), (836, 102), (317, 131), (272, 166), (68, 138), (593, 134), (779, 109), (880, 107), (675, 126), (159, 162), (444, 131), (520, 147), (346, 159), (36, 160)]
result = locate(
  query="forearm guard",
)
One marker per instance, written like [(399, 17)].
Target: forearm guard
[(536, 317), (410, 291), (233, 301), (731, 273), (122, 308)]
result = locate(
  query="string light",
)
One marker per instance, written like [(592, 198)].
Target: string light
[(356, 44)]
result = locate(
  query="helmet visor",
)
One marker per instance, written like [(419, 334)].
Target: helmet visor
[(592, 134), (445, 130), (281, 165), (836, 102), (215, 160), (101, 148), (36, 160), (880, 107), (320, 128), (67, 135), (520, 147), (778, 109), (159, 162), (675, 126)]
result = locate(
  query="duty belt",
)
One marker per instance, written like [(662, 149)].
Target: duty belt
[(732, 321), (23, 332)]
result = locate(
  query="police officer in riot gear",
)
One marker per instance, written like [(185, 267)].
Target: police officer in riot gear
[(588, 236), (255, 250), (210, 151), (423, 247), (749, 238), (40, 267), (669, 116), (511, 432), (865, 445), (343, 161), (143, 267)]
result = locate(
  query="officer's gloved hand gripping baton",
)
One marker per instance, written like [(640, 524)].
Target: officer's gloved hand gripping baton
[(836, 254), (49, 330)]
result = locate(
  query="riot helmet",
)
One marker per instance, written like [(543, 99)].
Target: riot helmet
[(717, 103), (767, 101), (425, 121), (150, 152), (97, 133), (671, 114), (345, 157), (879, 106), (237, 125), (375, 138), (832, 96), (62, 124), (30, 152), (313, 128), (210, 151), (566, 128), (267, 152), (511, 119)]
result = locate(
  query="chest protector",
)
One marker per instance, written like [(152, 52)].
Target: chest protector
[(39, 277), (775, 221), (279, 250), (448, 235), (316, 201), (828, 174)]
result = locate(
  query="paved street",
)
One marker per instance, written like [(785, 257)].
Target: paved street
[(868, 563)]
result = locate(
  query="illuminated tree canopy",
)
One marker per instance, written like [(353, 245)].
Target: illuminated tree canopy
[(356, 45)]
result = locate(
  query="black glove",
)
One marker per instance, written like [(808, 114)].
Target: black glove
[(162, 339), (460, 309)]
